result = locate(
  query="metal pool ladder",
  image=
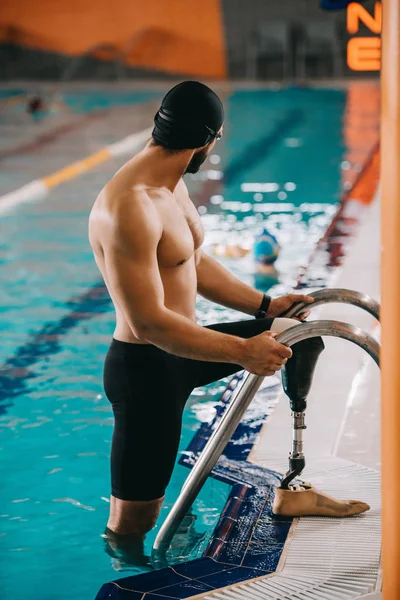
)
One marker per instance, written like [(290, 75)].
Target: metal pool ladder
[(245, 393)]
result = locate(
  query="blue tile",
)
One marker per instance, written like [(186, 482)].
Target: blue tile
[(265, 562), (107, 592), (269, 494), (182, 590), (222, 578), (244, 437), (110, 591), (270, 478), (241, 551), (156, 596), (233, 575), (271, 531), (149, 582), (281, 519), (232, 553), (242, 529), (127, 595), (198, 568), (258, 549)]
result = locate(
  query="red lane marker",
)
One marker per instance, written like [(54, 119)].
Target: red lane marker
[(344, 226), (51, 136)]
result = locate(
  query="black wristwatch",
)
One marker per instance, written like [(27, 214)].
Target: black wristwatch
[(264, 306)]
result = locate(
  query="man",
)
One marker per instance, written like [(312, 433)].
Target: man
[(146, 237)]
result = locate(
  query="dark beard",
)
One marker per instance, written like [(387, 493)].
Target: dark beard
[(197, 161)]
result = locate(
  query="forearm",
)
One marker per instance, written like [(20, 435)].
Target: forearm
[(217, 284), (181, 336)]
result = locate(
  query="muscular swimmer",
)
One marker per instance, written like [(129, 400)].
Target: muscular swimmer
[(146, 236)]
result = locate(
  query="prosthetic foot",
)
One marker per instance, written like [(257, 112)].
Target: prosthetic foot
[(304, 499), (296, 500)]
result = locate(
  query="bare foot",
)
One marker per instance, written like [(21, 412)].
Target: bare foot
[(304, 499), (127, 548)]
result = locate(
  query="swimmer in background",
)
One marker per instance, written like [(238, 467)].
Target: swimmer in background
[(147, 236), (45, 104), (266, 251)]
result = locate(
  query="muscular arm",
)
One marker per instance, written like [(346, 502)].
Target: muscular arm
[(217, 284), (130, 252)]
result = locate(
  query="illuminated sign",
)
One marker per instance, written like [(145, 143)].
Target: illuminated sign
[(337, 4), (364, 53)]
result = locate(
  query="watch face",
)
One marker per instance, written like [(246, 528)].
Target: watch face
[(260, 314)]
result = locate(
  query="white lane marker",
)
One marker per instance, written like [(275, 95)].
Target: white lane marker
[(38, 189)]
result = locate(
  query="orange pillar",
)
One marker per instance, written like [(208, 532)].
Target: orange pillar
[(390, 284)]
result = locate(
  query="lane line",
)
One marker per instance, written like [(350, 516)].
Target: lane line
[(17, 371), (39, 188), (46, 138), (359, 197), (76, 169)]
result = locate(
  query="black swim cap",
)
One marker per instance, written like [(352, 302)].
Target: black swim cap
[(190, 116)]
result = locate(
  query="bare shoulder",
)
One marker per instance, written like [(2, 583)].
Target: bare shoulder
[(181, 188), (181, 193), (125, 219)]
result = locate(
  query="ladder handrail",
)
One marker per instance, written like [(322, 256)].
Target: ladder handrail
[(341, 295), (243, 396)]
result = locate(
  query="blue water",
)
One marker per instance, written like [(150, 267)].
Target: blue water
[(10, 93), (82, 102), (77, 102), (56, 323)]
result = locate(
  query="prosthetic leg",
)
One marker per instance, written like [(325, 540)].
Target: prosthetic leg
[(297, 378), (303, 499)]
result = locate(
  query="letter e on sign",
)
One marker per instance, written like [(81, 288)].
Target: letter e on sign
[(364, 54)]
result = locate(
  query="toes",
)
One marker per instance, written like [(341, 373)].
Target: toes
[(356, 507)]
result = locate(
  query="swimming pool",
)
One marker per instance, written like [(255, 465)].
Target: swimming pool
[(285, 157)]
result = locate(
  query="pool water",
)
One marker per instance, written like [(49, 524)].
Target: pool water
[(76, 102), (280, 165)]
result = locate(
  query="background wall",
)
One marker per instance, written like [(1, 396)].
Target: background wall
[(177, 36), (242, 17), (166, 38)]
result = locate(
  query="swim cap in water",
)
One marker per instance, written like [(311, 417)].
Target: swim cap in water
[(190, 116)]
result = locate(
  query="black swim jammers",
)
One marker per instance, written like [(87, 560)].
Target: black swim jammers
[(148, 389)]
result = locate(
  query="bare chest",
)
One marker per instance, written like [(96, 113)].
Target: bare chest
[(183, 233)]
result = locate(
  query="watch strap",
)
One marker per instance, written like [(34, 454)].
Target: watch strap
[(264, 306)]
